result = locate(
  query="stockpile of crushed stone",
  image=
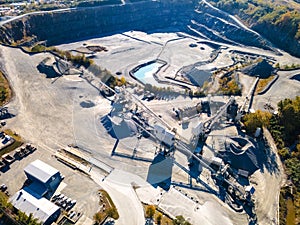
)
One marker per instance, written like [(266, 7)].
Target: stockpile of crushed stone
[(263, 69)]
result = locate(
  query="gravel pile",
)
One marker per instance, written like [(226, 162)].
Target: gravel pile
[(262, 69)]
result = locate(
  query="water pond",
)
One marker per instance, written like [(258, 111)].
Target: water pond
[(145, 73)]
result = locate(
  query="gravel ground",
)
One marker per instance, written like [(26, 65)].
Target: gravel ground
[(52, 113), (283, 88)]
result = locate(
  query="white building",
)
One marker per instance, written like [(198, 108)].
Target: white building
[(165, 136), (198, 129), (40, 208), (44, 177)]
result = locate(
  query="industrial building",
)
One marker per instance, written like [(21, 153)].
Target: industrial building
[(164, 135), (32, 199), (44, 179), (26, 201)]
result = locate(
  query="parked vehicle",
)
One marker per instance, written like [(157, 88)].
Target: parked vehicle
[(3, 187)]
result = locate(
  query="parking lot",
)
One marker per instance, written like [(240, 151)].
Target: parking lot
[(75, 187)]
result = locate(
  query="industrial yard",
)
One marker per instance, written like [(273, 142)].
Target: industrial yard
[(185, 154)]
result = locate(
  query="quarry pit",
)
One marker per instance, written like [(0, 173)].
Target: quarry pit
[(69, 110)]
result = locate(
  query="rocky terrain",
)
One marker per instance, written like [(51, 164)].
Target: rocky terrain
[(199, 19), (62, 26), (214, 24), (277, 20)]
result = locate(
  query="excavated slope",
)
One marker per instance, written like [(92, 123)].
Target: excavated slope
[(199, 19)]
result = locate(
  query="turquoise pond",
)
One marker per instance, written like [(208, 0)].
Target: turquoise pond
[(145, 73)]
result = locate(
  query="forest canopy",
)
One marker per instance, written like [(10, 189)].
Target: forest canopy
[(269, 18)]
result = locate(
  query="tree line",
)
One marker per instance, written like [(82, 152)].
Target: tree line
[(285, 129), (276, 20)]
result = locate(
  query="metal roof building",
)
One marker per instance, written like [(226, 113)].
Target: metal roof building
[(44, 178), (41, 171), (40, 208)]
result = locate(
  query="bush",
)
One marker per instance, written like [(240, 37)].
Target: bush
[(98, 218), (179, 220), (113, 213), (38, 48), (229, 86), (150, 211)]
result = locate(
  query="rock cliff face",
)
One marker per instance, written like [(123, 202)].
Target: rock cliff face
[(189, 16), (214, 24), (63, 26), (280, 38)]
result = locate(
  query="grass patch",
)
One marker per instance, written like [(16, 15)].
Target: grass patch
[(112, 211), (262, 83), (4, 200), (108, 208), (5, 91), (17, 143), (14, 135), (229, 86)]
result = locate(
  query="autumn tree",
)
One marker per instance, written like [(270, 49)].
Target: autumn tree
[(158, 218), (123, 80), (150, 211), (179, 220), (98, 218), (254, 120)]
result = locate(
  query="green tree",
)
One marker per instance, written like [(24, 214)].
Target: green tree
[(21, 216), (284, 153), (296, 153), (292, 169), (29, 218), (289, 118)]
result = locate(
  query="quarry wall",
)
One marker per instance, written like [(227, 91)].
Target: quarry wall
[(190, 16), (63, 26)]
